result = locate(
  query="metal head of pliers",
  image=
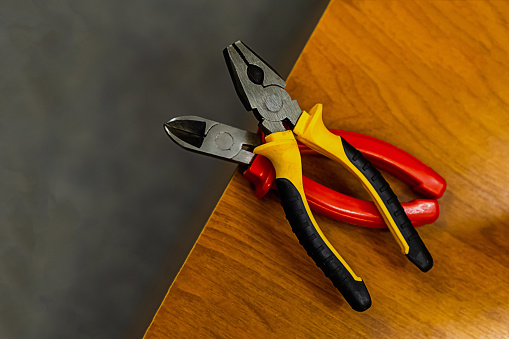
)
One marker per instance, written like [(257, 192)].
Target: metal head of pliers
[(261, 89), (213, 138)]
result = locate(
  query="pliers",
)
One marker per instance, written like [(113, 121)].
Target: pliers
[(205, 136), (261, 90)]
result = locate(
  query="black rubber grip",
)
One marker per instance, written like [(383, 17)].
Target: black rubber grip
[(354, 292), (417, 253)]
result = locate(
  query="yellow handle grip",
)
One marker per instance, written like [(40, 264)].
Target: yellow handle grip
[(282, 150), (311, 131)]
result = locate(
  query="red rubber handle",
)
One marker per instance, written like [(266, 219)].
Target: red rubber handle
[(422, 178), (262, 174)]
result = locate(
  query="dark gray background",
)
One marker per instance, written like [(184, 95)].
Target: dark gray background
[(98, 207)]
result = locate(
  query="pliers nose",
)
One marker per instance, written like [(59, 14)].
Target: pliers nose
[(261, 89), (248, 70)]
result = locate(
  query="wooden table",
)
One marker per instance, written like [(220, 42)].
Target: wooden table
[(430, 77)]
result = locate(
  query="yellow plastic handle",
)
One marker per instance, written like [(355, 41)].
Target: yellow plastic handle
[(311, 131), (282, 150)]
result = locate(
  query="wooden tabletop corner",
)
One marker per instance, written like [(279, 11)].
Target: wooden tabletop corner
[(431, 77)]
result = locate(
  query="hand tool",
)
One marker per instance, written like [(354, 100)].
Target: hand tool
[(191, 131), (261, 90)]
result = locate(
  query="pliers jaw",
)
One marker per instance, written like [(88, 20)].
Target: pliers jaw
[(212, 138), (261, 89)]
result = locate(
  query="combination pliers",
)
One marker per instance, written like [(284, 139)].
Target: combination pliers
[(261, 90)]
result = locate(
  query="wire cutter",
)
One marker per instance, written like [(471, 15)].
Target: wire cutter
[(229, 143), (261, 90)]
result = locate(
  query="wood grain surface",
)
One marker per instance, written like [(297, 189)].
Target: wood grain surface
[(430, 77)]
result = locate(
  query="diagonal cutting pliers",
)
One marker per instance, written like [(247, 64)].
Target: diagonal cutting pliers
[(261, 90), (229, 143)]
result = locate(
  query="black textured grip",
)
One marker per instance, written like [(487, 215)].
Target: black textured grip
[(354, 292), (417, 253)]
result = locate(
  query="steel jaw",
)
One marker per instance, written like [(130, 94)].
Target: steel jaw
[(261, 89), (213, 138)]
